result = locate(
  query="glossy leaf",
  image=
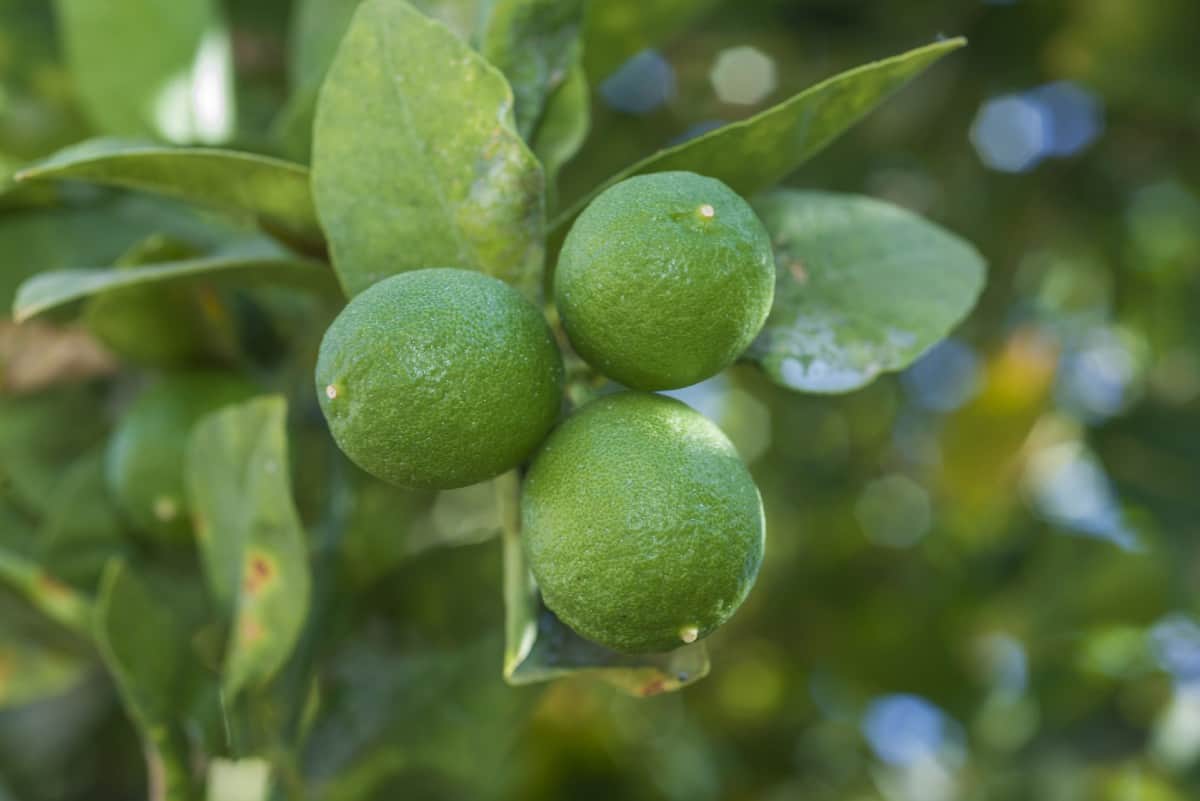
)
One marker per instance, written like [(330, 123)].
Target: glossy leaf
[(253, 264), (269, 189), (753, 154), (173, 78), (416, 159), (534, 43), (863, 287), (146, 650), (250, 537), (563, 127), (539, 647)]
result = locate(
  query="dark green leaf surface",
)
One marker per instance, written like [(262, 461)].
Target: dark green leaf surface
[(563, 127), (36, 662), (251, 540), (539, 647), (618, 29), (145, 649), (33, 240), (256, 263), (863, 287), (534, 43), (273, 190), (159, 68), (416, 158), (753, 154)]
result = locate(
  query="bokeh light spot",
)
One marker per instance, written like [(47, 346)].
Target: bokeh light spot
[(743, 75)]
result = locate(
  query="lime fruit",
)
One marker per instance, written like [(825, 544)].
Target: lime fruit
[(439, 378), (664, 280), (640, 523), (145, 459)]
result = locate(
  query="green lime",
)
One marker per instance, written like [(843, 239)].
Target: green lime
[(144, 466), (664, 280), (439, 378), (641, 525)]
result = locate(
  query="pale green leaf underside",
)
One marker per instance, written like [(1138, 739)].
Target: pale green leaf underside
[(416, 158), (863, 287), (754, 154), (251, 540), (50, 290), (270, 189)]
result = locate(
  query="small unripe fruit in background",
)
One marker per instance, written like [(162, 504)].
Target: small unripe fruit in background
[(145, 459), (664, 280)]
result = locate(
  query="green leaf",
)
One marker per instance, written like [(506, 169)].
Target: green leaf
[(36, 661), (50, 596), (863, 287), (158, 68), (563, 127), (251, 264), (145, 649), (272, 190), (753, 154), (33, 240), (539, 647), (169, 325), (534, 43), (83, 530), (618, 29), (416, 159), (251, 540)]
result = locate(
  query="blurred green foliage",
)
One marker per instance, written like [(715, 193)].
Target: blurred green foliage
[(981, 577)]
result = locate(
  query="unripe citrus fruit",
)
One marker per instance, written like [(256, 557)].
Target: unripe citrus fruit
[(145, 460), (641, 525), (439, 378), (664, 280)]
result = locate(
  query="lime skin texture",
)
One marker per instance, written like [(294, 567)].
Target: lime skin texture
[(664, 280), (439, 378), (144, 463), (641, 524)]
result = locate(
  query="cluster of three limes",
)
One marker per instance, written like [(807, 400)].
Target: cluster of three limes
[(640, 522)]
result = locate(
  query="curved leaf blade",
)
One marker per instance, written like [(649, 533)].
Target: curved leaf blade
[(563, 127), (753, 154), (50, 290), (416, 158), (146, 650), (862, 287), (274, 190), (533, 42), (250, 536)]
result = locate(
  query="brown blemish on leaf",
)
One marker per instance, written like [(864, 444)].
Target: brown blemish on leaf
[(250, 631), (654, 688), (260, 570), (796, 268), (50, 587)]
